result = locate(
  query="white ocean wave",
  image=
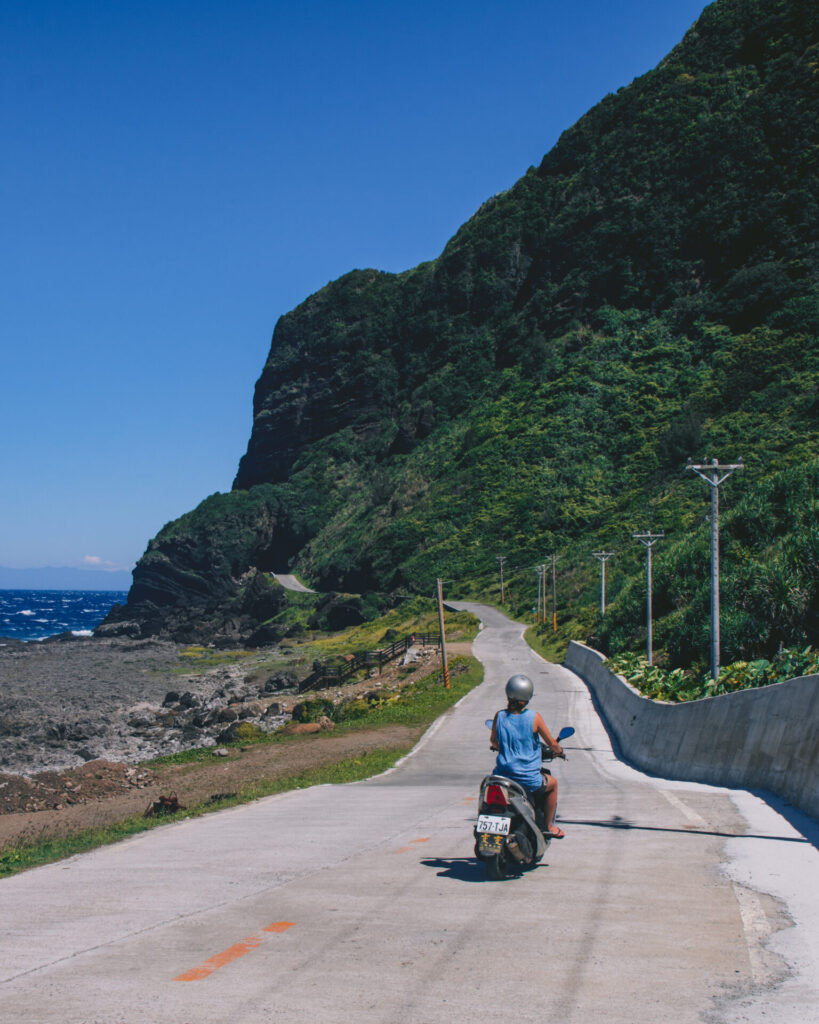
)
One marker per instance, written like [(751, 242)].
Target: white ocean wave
[(26, 611), (82, 632)]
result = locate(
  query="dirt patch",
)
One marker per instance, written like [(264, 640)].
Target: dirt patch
[(103, 792)]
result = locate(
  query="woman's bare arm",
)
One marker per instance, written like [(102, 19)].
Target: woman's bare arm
[(493, 739), (542, 730)]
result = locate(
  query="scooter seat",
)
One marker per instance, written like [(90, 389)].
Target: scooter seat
[(501, 780)]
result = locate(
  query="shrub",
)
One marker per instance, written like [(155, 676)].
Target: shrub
[(680, 685), (313, 710)]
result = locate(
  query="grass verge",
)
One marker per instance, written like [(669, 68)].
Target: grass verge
[(550, 646)]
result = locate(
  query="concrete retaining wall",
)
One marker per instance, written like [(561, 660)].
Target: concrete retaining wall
[(766, 738)]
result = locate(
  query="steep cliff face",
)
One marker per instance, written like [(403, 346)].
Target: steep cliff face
[(691, 191), (649, 289), (203, 576)]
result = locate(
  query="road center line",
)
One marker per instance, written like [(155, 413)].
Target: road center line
[(423, 839), (233, 953)]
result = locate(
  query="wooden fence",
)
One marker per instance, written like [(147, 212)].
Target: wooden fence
[(331, 675)]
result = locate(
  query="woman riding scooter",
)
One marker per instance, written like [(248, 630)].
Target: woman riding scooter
[(515, 735)]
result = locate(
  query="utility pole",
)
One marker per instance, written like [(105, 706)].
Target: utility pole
[(554, 592), (443, 632), (604, 556), (500, 559), (539, 592), (648, 540), (713, 473), (543, 591)]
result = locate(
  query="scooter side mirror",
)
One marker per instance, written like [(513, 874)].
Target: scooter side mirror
[(488, 723), (565, 733)]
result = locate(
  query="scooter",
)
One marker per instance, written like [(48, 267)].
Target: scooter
[(508, 837)]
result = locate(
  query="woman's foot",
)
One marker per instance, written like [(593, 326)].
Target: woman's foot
[(556, 833)]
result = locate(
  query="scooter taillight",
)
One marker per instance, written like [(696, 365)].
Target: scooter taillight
[(495, 795)]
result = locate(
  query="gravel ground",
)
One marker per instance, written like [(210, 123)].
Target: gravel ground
[(64, 703)]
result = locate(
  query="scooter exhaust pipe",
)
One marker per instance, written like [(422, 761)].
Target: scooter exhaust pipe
[(513, 847)]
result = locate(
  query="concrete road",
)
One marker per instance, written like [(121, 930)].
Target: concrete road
[(291, 583), (665, 901)]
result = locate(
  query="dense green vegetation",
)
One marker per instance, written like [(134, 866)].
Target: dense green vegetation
[(646, 294), (677, 685)]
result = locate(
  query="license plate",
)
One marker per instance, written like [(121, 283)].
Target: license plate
[(493, 825), (488, 846)]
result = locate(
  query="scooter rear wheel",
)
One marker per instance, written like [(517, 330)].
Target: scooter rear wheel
[(496, 867)]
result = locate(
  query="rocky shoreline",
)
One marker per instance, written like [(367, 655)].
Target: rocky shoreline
[(64, 704), (79, 719)]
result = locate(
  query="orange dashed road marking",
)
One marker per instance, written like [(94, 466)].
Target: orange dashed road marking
[(229, 955), (423, 839)]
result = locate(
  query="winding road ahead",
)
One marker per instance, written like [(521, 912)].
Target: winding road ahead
[(290, 582), (665, 902)]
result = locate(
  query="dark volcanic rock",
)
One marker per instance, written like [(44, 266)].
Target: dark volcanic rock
[(217, 607), (131, 629), (266, 636), (280, 681), (63, 638)]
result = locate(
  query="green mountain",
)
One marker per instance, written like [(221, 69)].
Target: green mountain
[(648, 293)]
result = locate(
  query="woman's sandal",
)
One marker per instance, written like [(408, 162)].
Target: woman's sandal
[(557, 835)]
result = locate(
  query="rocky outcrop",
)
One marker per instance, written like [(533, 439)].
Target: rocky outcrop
[(233, 708), (220, 609)]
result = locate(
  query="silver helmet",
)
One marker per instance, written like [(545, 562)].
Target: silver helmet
[(520, 687)]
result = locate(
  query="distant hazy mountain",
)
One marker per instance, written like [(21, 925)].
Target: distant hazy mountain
[(51, 578)]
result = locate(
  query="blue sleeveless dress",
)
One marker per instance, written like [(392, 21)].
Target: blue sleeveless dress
[(519, 749)]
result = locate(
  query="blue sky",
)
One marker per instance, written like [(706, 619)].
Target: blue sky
[(177, 174)]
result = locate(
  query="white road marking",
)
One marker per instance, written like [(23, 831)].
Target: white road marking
[(687, 812)]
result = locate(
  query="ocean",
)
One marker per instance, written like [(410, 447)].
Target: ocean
[(36, 614)]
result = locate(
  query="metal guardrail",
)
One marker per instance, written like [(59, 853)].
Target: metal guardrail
[(328, 675)]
